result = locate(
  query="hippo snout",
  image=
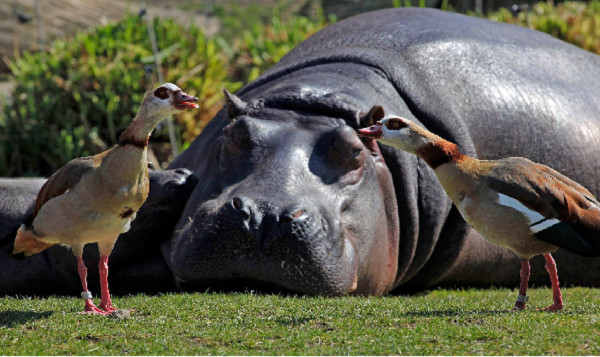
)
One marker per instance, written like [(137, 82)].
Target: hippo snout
[(284, 223), (294, 246), (244, 213), (244, 205)]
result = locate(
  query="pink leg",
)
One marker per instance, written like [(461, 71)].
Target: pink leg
[(90, 308), (556, 295), (105, 303), (521, 303)]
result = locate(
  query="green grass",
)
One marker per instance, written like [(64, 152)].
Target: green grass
[(445, 322)]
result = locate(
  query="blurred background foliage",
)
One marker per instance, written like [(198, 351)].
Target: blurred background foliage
[(261, 46), (76, 97), (571, 21)]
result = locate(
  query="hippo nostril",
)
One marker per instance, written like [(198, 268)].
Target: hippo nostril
[(293, 215), (242, 207), (299, 213), (237, 203)]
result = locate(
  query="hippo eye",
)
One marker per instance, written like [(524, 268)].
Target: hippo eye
[(348, 154), (161, 93), (355, 153)]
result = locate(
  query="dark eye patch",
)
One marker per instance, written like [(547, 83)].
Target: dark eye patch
[(395, 124), (161, 92)]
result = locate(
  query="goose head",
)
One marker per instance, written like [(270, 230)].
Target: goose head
[(165, 100), (400, 133)]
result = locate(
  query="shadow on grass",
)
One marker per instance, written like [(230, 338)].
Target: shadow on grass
[(294, 321), (12, 318), (456, 313)]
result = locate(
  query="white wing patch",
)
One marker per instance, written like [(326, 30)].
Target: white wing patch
[(516, 204), (537, 222), (546, 223), (594, 205)]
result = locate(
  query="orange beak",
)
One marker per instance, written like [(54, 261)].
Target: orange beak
[(184, 101), (372, 132)]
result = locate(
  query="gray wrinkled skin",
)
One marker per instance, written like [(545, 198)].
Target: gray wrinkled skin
[(290, 198), (496, 90)]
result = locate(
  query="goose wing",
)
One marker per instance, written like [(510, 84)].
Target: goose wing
[(62, 180), (570, 214)]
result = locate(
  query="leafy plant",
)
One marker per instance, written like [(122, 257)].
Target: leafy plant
[(571, 21), (262, 46), (76, 98)]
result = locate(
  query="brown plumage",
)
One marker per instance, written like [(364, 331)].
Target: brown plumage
[(550, 193), (527, 207), (94, 199)]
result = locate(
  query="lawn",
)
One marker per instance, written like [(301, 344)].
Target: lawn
[(445, 322)]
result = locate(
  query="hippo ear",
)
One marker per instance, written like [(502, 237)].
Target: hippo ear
[(372, 116), (235, 106)]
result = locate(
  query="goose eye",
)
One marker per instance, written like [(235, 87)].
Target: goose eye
[(394, 125), (161, 93)]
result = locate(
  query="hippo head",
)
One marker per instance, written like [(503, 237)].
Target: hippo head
[(291, 199)]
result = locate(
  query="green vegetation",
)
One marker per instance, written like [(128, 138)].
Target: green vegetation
[(263, 45), (571, 21), (238, 17), (437, 323), (75, 99)]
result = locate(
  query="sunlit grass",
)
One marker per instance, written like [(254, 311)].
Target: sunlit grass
[(443, 322)]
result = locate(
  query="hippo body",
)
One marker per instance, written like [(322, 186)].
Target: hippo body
[(496, 90), (289, 197)]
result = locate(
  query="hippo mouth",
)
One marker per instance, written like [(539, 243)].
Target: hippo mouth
[(185, 101), (372, 132)]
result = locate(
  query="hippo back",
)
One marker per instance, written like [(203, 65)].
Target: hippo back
[(497, 89)]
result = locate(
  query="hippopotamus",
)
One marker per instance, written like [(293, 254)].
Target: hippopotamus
[(290, 198)]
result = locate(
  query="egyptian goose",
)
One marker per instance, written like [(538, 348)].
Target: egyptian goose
[(513, 202), (95, 198)]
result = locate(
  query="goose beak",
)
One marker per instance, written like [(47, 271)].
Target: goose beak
[(372, 132), (185, 101)]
